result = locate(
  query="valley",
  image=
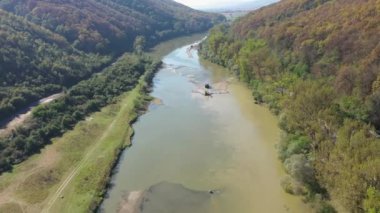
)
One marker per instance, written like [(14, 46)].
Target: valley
[(151, 106)]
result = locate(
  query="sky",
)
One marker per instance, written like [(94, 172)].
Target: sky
[(209, 3)]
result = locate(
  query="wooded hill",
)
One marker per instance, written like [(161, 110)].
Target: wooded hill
[(111, 25), (35, 62), (47, 45), (316, 63)]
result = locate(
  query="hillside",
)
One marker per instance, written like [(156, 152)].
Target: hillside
[(111, 25), (317, 65), (35, 63), (48, 45)]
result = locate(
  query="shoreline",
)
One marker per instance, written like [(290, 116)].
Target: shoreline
[(140, 103), (138, 170), (37, 182), (135, 118), (155, 52), (56, 180)]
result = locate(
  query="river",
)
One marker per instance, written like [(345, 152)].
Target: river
[(195, 154)]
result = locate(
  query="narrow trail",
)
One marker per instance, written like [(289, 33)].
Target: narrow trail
[(7, 125), (75, 171)]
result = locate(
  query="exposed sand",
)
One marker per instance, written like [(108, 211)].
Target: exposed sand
[(132, 202), (157, 101)]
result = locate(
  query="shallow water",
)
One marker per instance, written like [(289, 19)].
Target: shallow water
[(197, 144)]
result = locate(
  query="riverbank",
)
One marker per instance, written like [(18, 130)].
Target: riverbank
[(61, 178), (71, 174), (197, 144)]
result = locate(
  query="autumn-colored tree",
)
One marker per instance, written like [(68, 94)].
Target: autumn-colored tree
[(317, 65)]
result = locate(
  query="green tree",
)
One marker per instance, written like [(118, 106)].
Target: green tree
[(139, 44), (372, 201)]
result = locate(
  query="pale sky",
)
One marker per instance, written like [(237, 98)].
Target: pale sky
[(209, 3)]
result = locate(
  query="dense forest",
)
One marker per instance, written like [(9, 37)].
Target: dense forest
[(35, 63), (317, 65), (110, 26), (50, 45), (88, 96)]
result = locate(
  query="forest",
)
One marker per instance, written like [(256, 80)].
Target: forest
[(49, 45), (316, 64), (52, 120), (35, 63), (110, 26)]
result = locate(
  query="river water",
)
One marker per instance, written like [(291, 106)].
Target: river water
[(198, 154)]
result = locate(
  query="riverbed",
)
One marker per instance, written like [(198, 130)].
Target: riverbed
[(194, 153)]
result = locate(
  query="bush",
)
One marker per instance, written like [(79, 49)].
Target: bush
[(293, 144), (372, 201), (292, 187), (299, 167)]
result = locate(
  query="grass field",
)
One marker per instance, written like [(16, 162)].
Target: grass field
[(70, 174)]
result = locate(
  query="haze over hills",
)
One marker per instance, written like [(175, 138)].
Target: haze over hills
[(317, 65), (244, 6)]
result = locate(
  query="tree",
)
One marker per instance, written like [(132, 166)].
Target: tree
[(300, 168), (139, 44), (353, 164), (372, 201), (373, 104)]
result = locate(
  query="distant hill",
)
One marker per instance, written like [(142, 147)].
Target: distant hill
[(316, 63), (50, 44)]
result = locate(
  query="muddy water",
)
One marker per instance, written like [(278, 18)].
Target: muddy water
[(199, 154)]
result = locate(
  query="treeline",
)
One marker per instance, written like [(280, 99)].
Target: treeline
[(317, 65), (88, 96)]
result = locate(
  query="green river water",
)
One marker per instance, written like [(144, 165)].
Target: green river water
[(191, 144)]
